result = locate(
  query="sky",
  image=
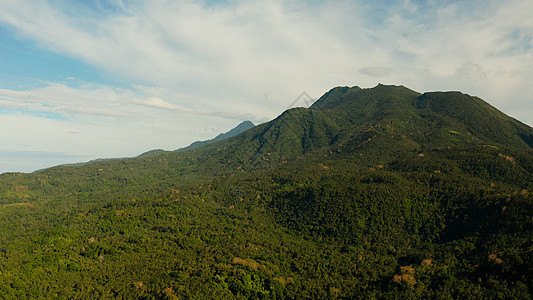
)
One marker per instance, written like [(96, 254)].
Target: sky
[(87, 79)]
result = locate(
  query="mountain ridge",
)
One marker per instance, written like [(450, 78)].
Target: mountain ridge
[(406, 120), (242, 127)]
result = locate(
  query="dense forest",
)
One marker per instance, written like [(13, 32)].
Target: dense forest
[(380, 193)]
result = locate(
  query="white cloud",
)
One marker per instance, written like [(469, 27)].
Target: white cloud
[(70, 102), (471, 71), (375, 71), (220, 54), (160, 103)]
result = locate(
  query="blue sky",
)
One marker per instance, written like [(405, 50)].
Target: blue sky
[(81, 80)]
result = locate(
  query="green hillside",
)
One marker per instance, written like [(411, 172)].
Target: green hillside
[(380, 193)]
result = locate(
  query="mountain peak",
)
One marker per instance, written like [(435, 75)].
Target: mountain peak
[(242, 127), (342, 96)]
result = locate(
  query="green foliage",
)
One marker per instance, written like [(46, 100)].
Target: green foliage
[(376, 193)]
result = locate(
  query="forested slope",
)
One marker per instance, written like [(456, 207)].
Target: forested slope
[(369, 193)]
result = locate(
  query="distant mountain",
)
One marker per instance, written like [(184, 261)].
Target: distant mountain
[(242, 127)]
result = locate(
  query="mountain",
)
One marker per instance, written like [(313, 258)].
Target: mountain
[(242, 127), (437, 116), (385, 123), (379, 193)]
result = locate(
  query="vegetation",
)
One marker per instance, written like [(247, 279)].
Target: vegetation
[(370, 193)]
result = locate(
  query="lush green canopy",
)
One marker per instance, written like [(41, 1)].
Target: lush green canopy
[(370, 193)]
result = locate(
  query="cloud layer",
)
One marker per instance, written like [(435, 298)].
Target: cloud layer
[(213, 64)]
